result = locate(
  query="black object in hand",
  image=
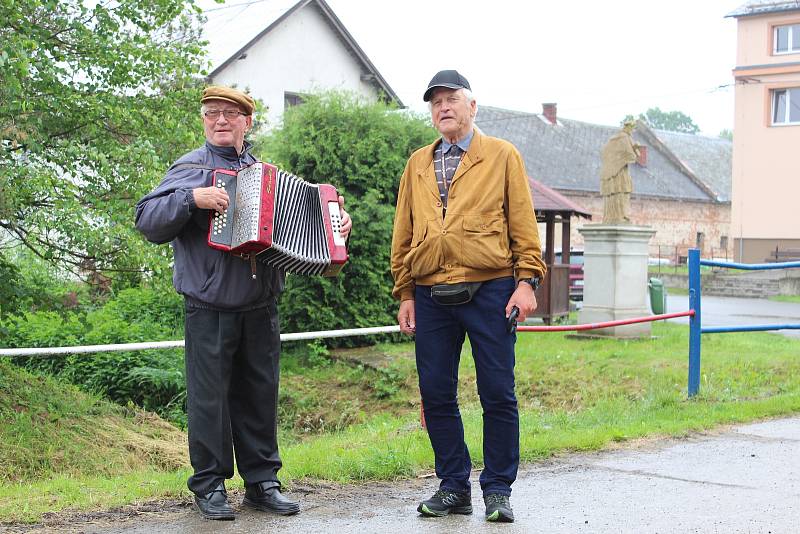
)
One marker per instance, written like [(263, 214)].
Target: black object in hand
[(511, 325)]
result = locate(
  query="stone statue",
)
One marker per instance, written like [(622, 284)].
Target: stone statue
[(615, 178)]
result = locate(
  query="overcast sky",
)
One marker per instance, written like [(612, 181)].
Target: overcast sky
[(598, 60)]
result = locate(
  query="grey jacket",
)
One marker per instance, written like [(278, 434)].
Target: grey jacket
[(206, 277)]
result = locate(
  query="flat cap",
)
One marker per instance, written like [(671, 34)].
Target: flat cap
[(446, 78), (218, 92)]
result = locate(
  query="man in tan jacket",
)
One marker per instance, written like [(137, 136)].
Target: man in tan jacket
[(466, 258)]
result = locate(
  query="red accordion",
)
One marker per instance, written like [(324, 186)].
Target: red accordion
[(287, 222)]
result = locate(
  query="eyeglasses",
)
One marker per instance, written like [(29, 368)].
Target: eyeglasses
[(229, 114)]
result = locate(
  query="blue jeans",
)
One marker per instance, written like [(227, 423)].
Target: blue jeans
[(439, 337)]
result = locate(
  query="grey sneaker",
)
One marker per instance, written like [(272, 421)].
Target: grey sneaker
[(446, 502), (498, 508)]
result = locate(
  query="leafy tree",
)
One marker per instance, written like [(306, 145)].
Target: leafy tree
[(29, 284), (673, 121), (361, 149), (726, 134), (95, 99), (11, 290)]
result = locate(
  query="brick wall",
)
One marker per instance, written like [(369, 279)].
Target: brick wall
[(676, 222), (757, 284)]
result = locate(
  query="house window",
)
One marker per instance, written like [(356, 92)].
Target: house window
[(700, 240), (786, 106), (786, 39), (723, 242), (292, 99)]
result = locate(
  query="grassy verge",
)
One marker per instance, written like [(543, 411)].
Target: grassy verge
[(684, 270), (677, 291), (786, 298), (584, 394), (52, 428), (574, 395)]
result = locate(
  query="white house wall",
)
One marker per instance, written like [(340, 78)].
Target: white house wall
[(302, 54)]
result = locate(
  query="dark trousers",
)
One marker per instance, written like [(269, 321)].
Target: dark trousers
[(439, 338), (232, 395)]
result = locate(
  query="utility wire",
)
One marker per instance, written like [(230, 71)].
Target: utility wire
[(233, 5)]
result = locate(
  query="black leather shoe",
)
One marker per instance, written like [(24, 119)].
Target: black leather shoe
[(267, 497), (214, 504)]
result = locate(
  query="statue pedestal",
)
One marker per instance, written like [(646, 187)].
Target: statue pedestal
[(615, 278)]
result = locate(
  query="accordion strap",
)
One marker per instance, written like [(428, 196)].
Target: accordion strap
[(180, 166), (192, 166)]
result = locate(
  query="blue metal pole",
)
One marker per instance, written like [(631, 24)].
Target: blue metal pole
[(748, 328), (694, 322), (750, 266)]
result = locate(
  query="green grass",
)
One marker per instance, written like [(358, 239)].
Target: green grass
[(786, 298), (51, 428), (677, 291), (574, 395), (654, 270), (28, 501)]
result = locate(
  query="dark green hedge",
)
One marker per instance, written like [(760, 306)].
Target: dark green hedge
[(361, 149)]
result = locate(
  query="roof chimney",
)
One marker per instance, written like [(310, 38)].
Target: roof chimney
[(549, 112), (642, 159)]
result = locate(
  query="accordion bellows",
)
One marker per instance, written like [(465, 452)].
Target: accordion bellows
[(287, 222)]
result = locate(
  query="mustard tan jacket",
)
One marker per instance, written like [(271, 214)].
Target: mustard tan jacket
[(489, 230)]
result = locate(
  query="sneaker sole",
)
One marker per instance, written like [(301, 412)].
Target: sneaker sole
[(427, 512), (497, 517), (289, 510)]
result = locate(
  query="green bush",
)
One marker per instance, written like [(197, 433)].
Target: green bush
[(42, 329), (362, 150), (152, 379), (137, 314)]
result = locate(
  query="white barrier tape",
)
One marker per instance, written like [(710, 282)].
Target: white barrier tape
[(296, 336), (90, 348), (340, 333)]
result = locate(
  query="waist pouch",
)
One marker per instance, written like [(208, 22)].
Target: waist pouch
[(452, 294)]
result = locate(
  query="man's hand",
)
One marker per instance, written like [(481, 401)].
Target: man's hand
[(211, 198), (406, 317), (524, 299), (347, 223)]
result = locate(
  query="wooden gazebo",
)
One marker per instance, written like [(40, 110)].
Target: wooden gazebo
[(554, 208)]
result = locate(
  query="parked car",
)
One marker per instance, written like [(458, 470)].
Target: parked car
[(575, 273)]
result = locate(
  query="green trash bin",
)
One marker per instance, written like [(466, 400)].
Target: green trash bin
[(658, 296)]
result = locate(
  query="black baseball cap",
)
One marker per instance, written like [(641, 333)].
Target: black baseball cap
[(446, 78)]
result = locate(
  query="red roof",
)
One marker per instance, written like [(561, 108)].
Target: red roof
[(546, 199)]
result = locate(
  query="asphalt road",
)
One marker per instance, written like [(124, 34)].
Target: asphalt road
[(742, 479), (729, 311)]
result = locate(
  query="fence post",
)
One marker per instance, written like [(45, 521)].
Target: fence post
[(675, 263), (694, 322)]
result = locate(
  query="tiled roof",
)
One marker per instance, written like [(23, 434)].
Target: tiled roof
[(760, 7), (709, 158), (566, 156), (546, 200)]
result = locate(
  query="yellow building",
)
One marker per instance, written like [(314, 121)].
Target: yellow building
[(765, 197)]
